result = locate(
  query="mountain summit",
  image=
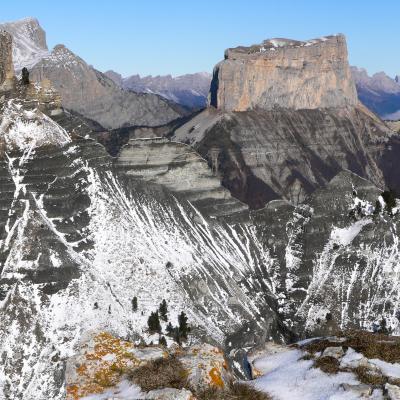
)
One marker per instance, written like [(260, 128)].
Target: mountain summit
[(284, 73)]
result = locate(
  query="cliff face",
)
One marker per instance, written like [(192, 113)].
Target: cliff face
[(284, 73), (6, 65)]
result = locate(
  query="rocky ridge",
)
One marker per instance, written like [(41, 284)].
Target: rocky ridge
[(83, 89), (189, 90), (379, 92)]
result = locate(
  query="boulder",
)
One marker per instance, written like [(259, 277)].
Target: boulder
[(393, 391), (335, 352), (170, 394)]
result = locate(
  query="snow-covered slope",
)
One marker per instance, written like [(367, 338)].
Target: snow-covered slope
[(29, 42)]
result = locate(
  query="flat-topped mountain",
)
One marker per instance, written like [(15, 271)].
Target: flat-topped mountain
[(284, 73)]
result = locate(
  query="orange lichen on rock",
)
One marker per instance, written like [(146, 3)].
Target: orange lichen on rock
[(103, 366), (216, 378)]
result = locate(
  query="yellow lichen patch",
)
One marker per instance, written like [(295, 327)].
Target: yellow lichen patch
[(216, 378), (103, 366)]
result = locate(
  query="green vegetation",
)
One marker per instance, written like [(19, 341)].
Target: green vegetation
[(134, 304), (25, 76), (154, 323), (163, 310)]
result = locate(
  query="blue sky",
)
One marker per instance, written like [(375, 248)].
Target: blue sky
[(177, 37)]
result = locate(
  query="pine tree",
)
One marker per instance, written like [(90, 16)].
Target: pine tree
[(378, 207), (162, 341), (183, 326), (169, 328), (134, 304), (25, 76), (154, 322), (3, 293), (390, 199), (163, 309)]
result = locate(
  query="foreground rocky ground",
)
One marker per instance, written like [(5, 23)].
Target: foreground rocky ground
[(350, 365)]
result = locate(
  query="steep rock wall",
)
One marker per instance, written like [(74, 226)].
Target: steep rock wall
[(284, 73)]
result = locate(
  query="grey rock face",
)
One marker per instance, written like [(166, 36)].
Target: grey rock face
[(379, 93), (189, 90), (92, 94), (181, 169), (29, 42), (284, 73), (265, 155)]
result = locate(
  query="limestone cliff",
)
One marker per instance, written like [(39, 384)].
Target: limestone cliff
[(6, 65), (284, 73)]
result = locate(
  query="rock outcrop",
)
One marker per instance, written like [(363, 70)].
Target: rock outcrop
[(181, 169), (7, 79), (284, 73)]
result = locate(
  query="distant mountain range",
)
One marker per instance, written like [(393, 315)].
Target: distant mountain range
[(189, 90), (84, 89), (379, 92)]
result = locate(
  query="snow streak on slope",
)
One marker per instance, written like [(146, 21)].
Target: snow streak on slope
[(72, 270)]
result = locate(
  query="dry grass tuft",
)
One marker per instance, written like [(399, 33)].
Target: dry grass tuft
[(371, 345), (161, 373), (374, 345), (366, 376), (329, 365), (235, 391)]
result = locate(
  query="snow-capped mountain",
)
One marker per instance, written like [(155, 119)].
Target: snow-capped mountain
[(29, 42), (82, 233), (190, 90)]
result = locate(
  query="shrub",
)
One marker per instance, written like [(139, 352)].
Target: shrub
[(160, 373), (235, 391), (329, 365)]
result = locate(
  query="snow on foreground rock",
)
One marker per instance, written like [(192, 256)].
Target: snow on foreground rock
[(328, 369)]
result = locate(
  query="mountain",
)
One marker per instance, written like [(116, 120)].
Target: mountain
[(284, 120), (378, 92), (301, 75), (82, 234), (189, 90), (29, 42), (84, 89)]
